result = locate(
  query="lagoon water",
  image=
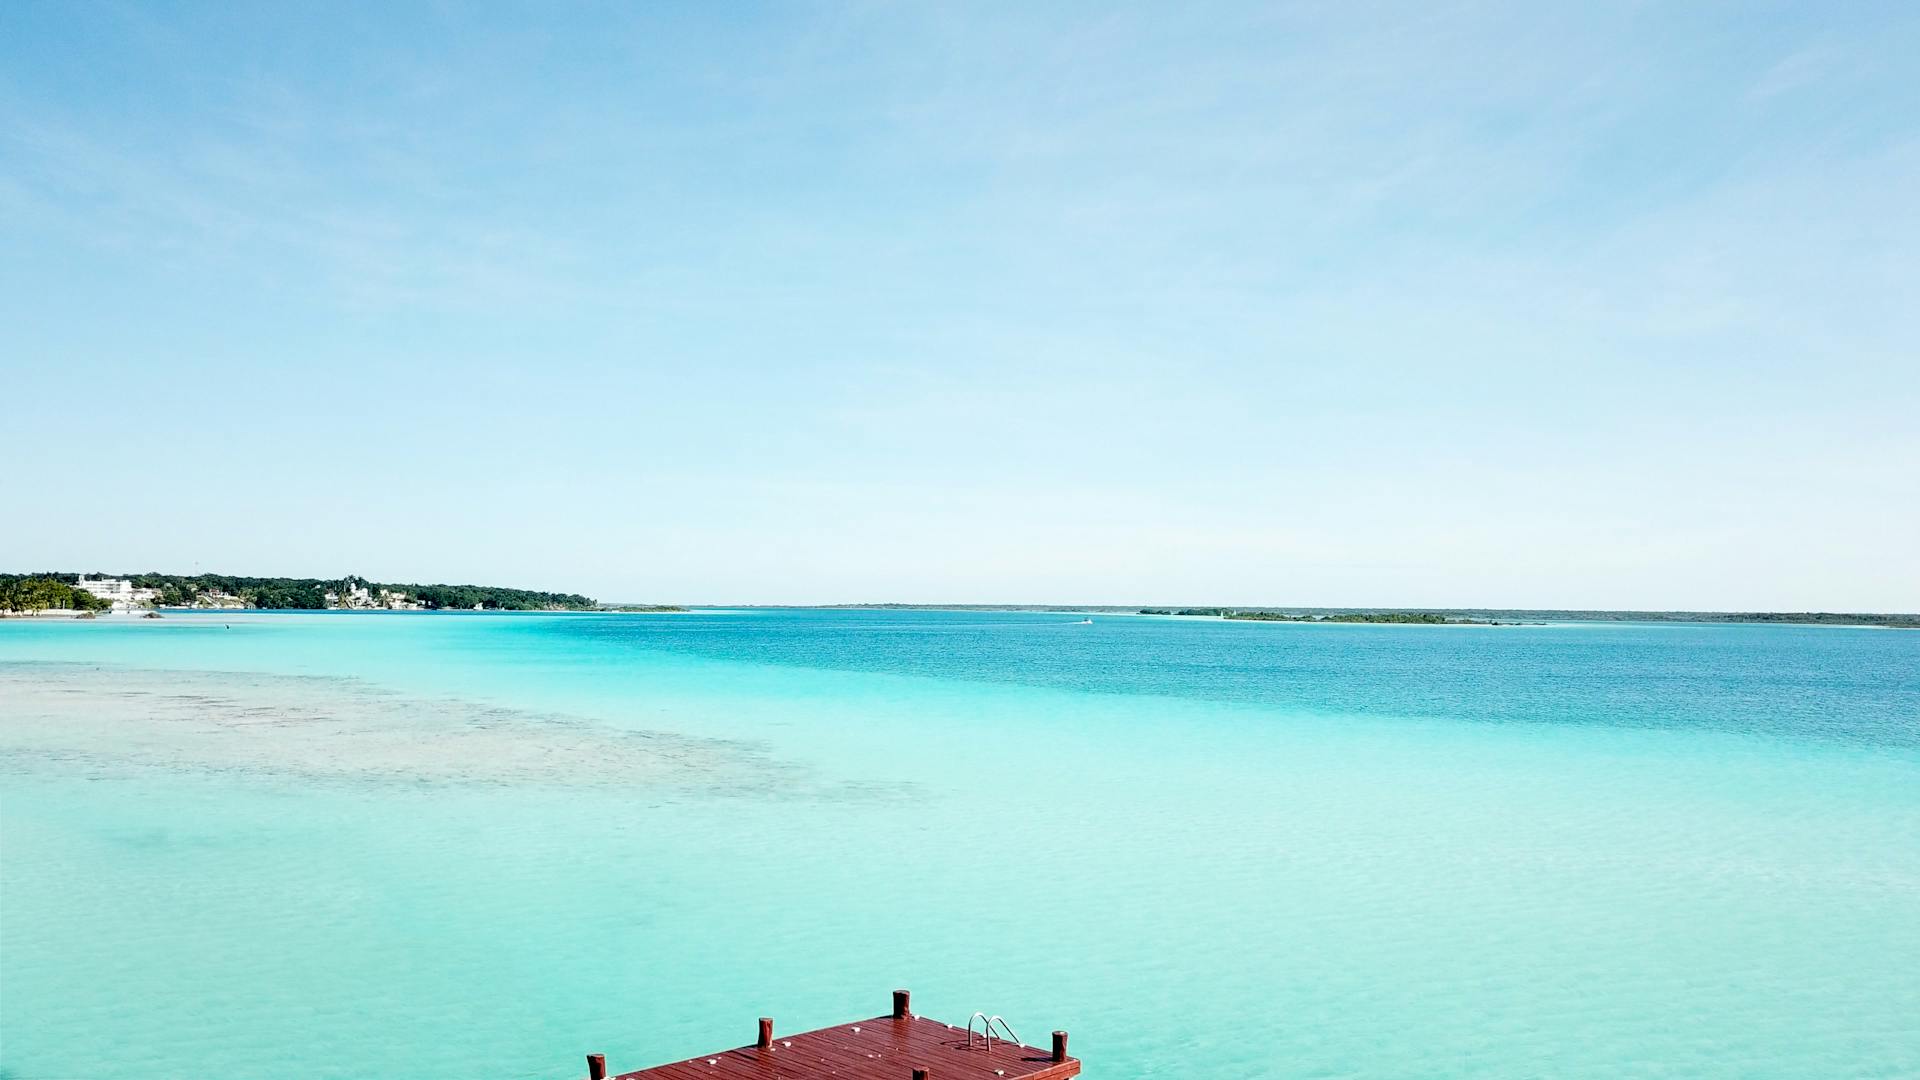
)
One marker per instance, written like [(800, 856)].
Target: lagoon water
[(359, 845)]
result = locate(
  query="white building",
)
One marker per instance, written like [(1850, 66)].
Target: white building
[(397, 601), (356, 596), (214, 598), (118, 591), (360, 597)]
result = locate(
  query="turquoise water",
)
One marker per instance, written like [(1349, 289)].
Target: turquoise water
[(478, 845)]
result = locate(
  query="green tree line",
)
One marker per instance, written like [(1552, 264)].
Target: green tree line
[(24, 593), (181, 590)]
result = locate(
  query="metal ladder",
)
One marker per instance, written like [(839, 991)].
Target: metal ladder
[(986, 1029)]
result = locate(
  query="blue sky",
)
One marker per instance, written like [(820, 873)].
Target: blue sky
[(1599, 305)]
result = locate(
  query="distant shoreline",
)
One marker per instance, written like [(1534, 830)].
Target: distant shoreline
[(52, 590), (1292, 616)]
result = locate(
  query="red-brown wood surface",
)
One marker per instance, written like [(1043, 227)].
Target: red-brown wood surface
[(880, 1049)]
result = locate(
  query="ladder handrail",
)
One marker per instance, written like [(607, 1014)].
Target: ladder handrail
[(989, 1026), (986, 1029)]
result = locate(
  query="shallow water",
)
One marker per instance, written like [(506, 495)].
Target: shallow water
[(458, 845)]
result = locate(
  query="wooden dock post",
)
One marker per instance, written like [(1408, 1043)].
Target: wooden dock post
[(922, 1074), (1059, 1046), (596, 1067), (766, 1033), (901, 998)]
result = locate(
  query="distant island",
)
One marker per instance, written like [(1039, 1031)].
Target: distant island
[(82, 593), (1505, 617), (1418, 618), (641, 609), (1433, 616)]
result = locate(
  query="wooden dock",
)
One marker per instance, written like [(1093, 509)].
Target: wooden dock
[(898, 1046)]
